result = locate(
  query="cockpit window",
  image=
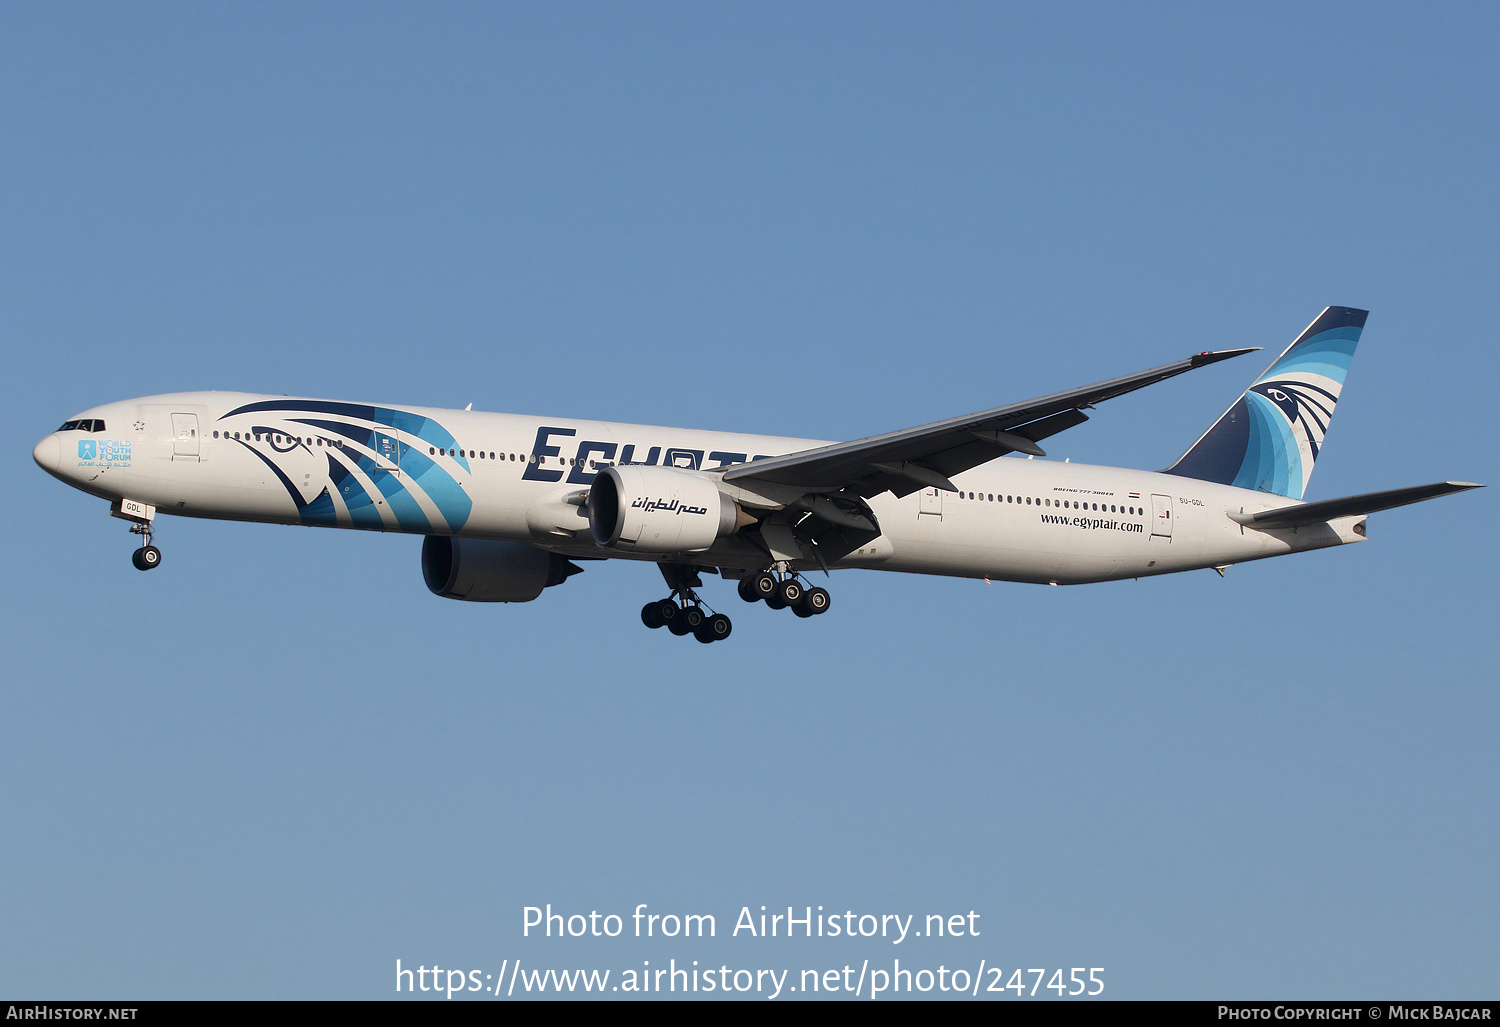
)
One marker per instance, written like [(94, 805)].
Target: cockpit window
[(83, 424)]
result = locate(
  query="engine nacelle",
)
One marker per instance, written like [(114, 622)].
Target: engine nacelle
[(485, 571), (659, 510)]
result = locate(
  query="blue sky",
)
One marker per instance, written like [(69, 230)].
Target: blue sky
[(278, 764)]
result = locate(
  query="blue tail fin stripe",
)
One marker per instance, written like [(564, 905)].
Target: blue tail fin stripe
[(1270, 438), (1327, 353), (1272, 456)]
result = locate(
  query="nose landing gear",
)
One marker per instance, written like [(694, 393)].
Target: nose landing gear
[(148, 557), (139, 514)]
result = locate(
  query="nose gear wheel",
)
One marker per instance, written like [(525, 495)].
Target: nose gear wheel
[(147, 557)]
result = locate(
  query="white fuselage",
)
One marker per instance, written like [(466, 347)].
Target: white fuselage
[(409, 470)]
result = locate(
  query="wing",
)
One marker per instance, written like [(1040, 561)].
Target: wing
[(925, 457)]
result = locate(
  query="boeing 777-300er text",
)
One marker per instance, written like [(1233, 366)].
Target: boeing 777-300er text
[(506, 502)]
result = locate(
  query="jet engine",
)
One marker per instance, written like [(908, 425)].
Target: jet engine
[(660, 510), (485, 571)]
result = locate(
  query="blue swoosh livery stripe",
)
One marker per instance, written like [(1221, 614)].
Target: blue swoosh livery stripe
[(417, 467)]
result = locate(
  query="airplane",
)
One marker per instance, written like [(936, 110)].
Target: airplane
[(507, 503)]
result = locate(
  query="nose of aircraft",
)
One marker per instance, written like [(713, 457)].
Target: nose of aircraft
[(48, 454)]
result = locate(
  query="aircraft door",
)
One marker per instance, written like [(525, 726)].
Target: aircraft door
[(185, 436), (388, 452), (1161, 517), (932, 504)]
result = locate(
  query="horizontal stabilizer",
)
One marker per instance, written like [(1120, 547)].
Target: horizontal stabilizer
[(1348, 506)]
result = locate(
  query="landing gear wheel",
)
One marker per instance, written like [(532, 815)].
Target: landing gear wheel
[(685, 620), (651, 615), (801, 610), (789, 591), (816, 600), (763, 584), (713, 629), (670, 614), (747, 590), (146, 558), (775, 603)]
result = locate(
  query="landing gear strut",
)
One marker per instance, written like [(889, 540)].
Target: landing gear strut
[(682, 612), (148, 557)]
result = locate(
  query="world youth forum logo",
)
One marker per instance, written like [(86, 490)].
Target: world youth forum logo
[(103, 453)]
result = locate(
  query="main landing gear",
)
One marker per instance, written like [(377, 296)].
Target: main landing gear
[(686, 618), (784, 590), (148, 557), (682, 612)]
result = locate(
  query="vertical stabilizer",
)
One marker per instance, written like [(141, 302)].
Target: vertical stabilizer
[(1270, 438)]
